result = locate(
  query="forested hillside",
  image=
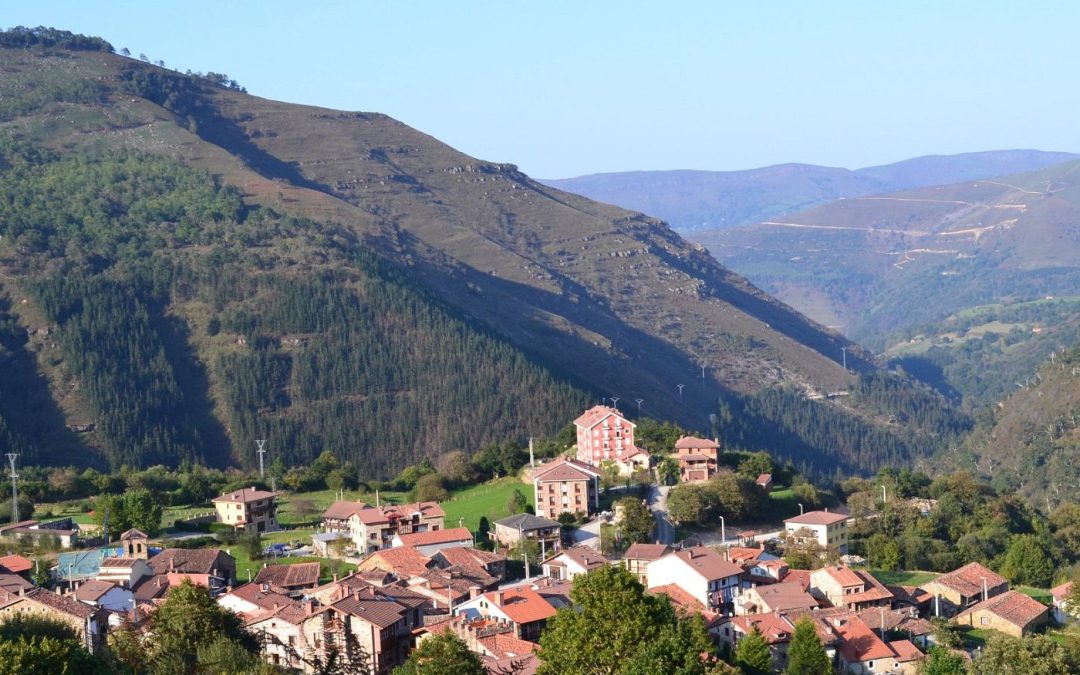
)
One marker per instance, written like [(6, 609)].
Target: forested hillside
[(1031, 441), (193, 267)]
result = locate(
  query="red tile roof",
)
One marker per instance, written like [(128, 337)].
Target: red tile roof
[(378, 515), (343, 510), (1060, 593), (120, 562), (133, 534), (904, 651), (506, 646), (584, 556), (191, 561), (1011, 606), (404, 561), (466, 556), (290, 576), (693, 443), (968, 580), (370, 607), (679, 597), (260, 597), (817, 518), (858, 642), (763, 479), (775, 628), (16, 564), (46, 598), (92, 590), (595, 415), (784, 596), (13, 583), (560, 470), (707, 562), (802, 577), (521, 605), (454, 534), (244, 496), (646, 551), (743, 555)]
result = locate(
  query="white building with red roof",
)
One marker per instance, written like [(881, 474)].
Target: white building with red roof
[(248, 508), (435, 540), (566, 486), (521, 606), (702, 572), (374, 527), (854, 589), (826, 528), (604, 434)]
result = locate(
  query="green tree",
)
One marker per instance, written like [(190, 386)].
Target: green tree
[(223, 656), (755, 465), (806, 655), (686, 504), (439, 654), (41, 575), (944, 661), (252, 543), (17, 626), (611, 603), (456, 467), (636, 523), (143, 510), (187, 620), (47, 656), (111, 506), (517, 503), (667, 470), (1028, 561), (430, 488), (752, 654), (1036, 655)]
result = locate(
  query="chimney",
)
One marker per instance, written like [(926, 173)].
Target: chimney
[(499, 598), (335, 577), (310, 607)]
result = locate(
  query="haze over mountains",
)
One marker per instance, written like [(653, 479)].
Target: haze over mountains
[(693, 200), (339, 280)]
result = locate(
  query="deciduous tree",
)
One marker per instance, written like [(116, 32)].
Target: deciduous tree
[(444, 653), (806, 655)]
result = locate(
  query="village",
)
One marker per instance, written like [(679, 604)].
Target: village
[(413, 574)]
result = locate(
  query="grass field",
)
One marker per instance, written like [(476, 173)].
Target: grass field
[(902, 578), (487, 499)]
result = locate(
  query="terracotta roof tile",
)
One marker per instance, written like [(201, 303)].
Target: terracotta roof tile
[(404, 561), (775, 628), (707, 562), (429, 537), (522, 605), (16, 564), (968, 580), (904, 651), (595, 415), (344, 509), (92, 590), (695, 443), (817, 518), (646, 551), (51, 600), (858, 642), (290, 576), (679, 597), (244, 496), (1012, 606), (370, 607), (193, 561), (505, 646), (784, 596), (260, 597), (1060, 593)]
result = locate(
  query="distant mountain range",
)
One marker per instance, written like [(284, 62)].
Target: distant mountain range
[(981, 276), (219, 267), (696, 200)]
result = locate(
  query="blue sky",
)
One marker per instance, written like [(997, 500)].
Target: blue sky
[(569, 88)]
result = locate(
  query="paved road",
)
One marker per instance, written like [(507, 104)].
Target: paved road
[(665, 531)]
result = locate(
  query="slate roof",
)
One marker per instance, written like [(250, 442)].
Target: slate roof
[(290, 576)]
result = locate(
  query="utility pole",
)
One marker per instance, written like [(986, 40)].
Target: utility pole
[(261, 452), (639, 401), (14, 489), (615, 402), (844, 350), (680, 387)]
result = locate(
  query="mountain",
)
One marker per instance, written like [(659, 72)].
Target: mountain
[(186, 268), (979, 276), (1031, 443), (703, 200)]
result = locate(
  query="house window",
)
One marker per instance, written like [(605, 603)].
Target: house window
[(985, 620), (870, 665)]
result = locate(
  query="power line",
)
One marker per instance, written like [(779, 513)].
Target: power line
[(261, 452)]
